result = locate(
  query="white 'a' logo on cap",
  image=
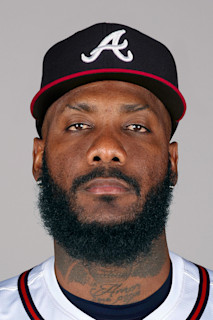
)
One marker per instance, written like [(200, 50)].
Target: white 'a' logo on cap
[(113, 37)]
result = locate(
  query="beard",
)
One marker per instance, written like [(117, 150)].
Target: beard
[(103, 243)]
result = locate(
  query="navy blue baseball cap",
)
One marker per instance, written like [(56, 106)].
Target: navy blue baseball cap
[(109, 51)]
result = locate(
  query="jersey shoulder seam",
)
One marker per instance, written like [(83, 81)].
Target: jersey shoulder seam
[(39, 275), (191, 276), (9, 288)]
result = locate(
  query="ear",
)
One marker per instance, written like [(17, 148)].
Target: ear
[(38, 150), (173, 153)]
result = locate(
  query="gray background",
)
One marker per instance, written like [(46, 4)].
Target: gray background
[(28, 29)]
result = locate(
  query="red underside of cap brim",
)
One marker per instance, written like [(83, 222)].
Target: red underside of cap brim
[(113, 76)]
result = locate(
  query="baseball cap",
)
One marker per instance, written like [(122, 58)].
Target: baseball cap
[(109, 51)]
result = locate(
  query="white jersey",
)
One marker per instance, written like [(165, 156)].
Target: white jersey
[(190, 296)]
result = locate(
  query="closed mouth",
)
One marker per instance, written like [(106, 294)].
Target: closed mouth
[(101, 186)]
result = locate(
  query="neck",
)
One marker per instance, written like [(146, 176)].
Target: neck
[(110, 284)]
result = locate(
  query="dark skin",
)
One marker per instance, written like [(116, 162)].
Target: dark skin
[(108, 124)]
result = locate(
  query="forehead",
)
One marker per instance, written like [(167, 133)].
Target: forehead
[(102, 96)]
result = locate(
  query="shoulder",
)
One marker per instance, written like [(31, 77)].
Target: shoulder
[(8, 292), (189, 268), (11, 305), (197, 281)]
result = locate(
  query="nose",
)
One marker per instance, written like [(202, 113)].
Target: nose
[(106, 149)]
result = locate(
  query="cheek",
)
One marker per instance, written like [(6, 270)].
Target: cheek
[(66, 162), (151, 163)]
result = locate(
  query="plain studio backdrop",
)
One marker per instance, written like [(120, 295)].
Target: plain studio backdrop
[(28, 29)]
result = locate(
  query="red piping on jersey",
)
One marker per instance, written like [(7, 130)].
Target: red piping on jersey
[(25, 296), (110, 70), (204, 293)]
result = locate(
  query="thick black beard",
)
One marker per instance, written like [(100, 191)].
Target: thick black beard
[(101, 243)]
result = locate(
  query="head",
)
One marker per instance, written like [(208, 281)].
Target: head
[(104, 157)]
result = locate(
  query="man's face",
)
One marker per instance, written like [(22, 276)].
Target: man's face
[(106, 167), (108, 125)]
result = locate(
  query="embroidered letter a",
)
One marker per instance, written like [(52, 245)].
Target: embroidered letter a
[(115, 47)]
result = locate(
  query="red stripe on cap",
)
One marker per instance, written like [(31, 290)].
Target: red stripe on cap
[(110, 70), (203, 295), (26, 299)]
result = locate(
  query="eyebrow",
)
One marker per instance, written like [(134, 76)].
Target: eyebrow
[(128, 108), (81, 107)]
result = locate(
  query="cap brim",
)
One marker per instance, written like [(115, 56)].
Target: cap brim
[(169, 95)]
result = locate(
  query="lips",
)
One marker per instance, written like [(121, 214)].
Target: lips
[(107, 186)]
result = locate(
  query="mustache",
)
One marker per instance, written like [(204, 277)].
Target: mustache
[(105, 173)]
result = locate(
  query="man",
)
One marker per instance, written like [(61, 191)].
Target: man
[(108, 106)]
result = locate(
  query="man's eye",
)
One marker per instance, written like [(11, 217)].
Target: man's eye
[(137, 127), (78, 127)]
